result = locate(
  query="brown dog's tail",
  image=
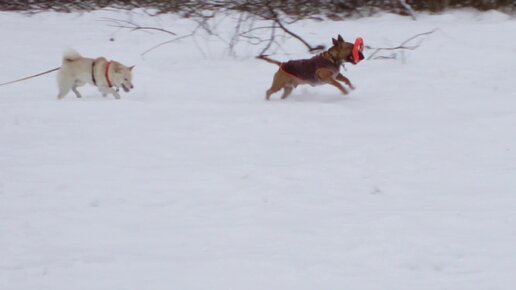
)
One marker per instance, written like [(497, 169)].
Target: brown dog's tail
[(264, 57)]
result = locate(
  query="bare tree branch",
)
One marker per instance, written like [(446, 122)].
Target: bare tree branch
[(248, 29), (271, 41), (277, 20), (408, 8)]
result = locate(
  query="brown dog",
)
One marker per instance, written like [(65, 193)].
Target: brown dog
[(321, 69)]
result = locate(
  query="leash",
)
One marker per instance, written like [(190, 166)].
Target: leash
[(29, 77)]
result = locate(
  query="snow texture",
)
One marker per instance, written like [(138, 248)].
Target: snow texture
[(193, 181)]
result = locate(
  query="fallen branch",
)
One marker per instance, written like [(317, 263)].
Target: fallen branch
[(167, 42), (125, 24), (132, 26), (403, 45)]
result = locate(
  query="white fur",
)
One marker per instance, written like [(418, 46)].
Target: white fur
[(76, 71), (71, 54)]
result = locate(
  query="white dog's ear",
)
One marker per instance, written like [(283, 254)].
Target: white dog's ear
[(131, 67)]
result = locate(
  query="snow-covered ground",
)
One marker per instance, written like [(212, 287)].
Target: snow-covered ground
[(194, 181)]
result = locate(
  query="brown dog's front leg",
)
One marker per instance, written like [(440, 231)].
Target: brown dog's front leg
[(326, 76), (338, 85), (344, 79)]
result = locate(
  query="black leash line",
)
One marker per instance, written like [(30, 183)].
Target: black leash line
[(29, 77)]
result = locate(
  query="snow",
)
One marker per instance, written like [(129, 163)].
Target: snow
[(194, 181)]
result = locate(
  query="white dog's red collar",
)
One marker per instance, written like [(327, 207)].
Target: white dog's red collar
[(106, 74)]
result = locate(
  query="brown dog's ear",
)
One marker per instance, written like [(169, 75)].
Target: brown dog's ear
[(340, 38), (131, 67), (335, 42)]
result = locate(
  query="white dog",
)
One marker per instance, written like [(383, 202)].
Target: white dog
[(106, 75)]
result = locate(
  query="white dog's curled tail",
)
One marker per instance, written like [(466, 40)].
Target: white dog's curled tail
[(70, 55)]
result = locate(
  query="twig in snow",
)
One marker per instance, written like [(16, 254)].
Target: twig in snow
[(118, 23), (403, 45)]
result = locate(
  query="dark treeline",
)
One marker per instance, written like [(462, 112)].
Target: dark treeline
[(297, 9)]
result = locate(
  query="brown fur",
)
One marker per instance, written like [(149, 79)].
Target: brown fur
[(339, 53)]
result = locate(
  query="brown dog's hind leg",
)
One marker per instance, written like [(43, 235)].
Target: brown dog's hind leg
[(286, 91), (277, 84)]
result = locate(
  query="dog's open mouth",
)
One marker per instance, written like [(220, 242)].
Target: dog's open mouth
[(126, 89)]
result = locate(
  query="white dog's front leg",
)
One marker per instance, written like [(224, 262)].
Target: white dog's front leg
[(105, 91), (115, 93), (76, 92)]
